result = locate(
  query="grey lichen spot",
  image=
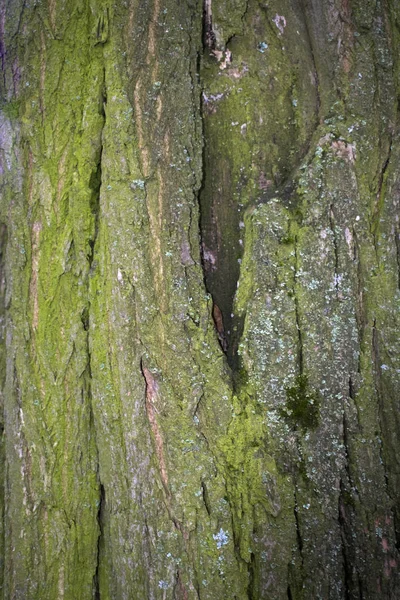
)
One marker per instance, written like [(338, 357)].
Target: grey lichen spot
[(280, 22), (137, 184), (262, 47), (222, 538)]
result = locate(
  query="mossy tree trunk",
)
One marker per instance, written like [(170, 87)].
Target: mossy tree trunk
[(199, 299)]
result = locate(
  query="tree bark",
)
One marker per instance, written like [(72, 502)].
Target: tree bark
[(199, 299)]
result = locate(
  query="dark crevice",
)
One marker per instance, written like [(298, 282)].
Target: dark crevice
[(345, 559), (3, 246), (335, 248), (245, 12), (351, 389), (219, 255), (196, 585), (101, 499), (179, 592), (219, 327), (251, 588), (220, 274), (360, 304), (206, 498), (312, 52), (196, 408), (297, 313), (346, 513), (95, 184), (360, 588), (375, 220), (343, 503), (355, 246), (380, 396), (103, 27), (85, 318), (397, 241), (346, 440), (383, 172), (352, 582), (100, 520), (298, 534), (209, 39), (352, 396), (299, 538), (235, 530), (396, 520), (96, 177)]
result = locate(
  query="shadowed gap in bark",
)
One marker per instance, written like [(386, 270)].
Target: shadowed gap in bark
[(221, 267), (96, 177), (3, 244), (95, 187), (100, 521)]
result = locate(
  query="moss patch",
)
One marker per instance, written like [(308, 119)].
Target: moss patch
[(302, 405)]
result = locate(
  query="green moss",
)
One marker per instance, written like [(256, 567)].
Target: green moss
[(11, 109), (302, 405)]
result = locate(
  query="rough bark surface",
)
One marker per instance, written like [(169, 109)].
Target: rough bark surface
[(199, 299)]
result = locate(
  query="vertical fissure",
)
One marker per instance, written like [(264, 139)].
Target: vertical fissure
[(345, 559), (397, 241), (219, 224), (332, 226), (251, 567), (96, 177), (360, 305), (208, 36), (300, 350), (383, 172), (380, 194), (299, 538), (344, 503), (314, 62), (206, 499), (3, 245), (379, 394), (95, 185), (100, 522)]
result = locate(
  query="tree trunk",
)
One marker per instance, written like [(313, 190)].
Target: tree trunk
[(200, 284)]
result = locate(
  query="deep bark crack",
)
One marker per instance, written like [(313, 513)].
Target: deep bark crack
[(95, 186), (345, 560), (100, 522), (345, 502), (297, 312), (335, 249), (209, 39), (397, 241), (317, 82), (221, 312), (299, 538), (379, 394), (379, 199), (96, 178)]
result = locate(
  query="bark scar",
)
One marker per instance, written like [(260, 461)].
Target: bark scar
[(152, 395)]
